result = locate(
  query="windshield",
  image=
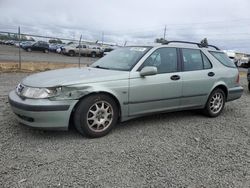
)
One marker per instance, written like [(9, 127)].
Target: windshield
[(122, 58)]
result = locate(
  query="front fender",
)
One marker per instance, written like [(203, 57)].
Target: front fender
[(118, 90)]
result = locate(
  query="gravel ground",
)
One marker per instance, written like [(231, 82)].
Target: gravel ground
[(181, 149), (11, 53)]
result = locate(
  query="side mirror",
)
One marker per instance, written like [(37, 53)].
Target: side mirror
[(148, 71)]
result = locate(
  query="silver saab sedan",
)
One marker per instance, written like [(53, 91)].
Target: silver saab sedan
[(129, 82)]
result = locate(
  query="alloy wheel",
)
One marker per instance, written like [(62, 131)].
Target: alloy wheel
[(100, 116), (216, 102)]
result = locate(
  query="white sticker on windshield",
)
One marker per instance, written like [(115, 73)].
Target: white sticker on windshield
[(140, 49)]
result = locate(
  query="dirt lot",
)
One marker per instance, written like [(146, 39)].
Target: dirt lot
[(183, 149), (11, 53)]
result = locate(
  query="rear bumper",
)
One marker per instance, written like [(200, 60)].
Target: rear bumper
[(42, 113), (234, 93)]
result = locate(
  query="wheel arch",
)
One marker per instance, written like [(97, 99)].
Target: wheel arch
[(223, 87), (73, 52), (93, 93)]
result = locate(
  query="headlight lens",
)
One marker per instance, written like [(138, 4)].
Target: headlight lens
[(37, 93)]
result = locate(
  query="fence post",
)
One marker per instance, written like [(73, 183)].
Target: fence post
[(19, 40), (80, 46)]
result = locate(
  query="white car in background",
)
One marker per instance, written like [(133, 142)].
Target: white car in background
[(85, 50)]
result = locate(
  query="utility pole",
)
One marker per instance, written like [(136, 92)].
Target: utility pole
[(19, 41), (165, 29), (80, 46), (102, 38)]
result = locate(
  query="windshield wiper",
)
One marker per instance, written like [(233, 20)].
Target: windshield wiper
[(99, 67)]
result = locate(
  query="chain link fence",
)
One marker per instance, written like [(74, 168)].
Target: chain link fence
[(35, 52)]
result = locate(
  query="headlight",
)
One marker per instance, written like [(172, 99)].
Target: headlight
[(37, 93)]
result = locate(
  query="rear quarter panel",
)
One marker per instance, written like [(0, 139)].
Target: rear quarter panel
[(226, 76)]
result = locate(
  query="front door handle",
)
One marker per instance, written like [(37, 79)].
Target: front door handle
[(175, 77), (211, 74)]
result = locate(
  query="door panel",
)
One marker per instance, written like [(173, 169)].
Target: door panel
[(196, 87), (197, 78), (153, 93), (158, 92)]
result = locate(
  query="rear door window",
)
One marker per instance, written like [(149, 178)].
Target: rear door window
[(192, 60), (207, 64)]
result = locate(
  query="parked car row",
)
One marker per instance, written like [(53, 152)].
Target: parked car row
[(8, 42), (71, 49)]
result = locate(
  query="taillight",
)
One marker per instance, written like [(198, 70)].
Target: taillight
[(238, 79)]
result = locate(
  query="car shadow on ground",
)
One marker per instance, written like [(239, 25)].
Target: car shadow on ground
[(156, 119), (51, 134), (128, 126)]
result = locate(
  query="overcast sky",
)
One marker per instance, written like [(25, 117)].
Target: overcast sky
[(225, 23)]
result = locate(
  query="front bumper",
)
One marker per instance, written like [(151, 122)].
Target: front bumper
[(42, 113), (234, 93)]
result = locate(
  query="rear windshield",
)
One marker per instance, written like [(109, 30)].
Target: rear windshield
[(223, 58)]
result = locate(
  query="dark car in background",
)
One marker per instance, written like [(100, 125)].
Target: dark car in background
[(26, 43), (37, 46)]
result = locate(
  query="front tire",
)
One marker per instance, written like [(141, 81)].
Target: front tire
[(96, 115), (215, 103)]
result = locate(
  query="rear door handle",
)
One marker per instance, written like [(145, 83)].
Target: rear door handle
[(211, 74), (175, 77)]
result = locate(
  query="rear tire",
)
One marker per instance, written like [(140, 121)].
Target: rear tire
[(215, 103), (93, 54), (71, 53), (96, 115)]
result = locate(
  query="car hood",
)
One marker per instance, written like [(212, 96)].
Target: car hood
[(71, 76)]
